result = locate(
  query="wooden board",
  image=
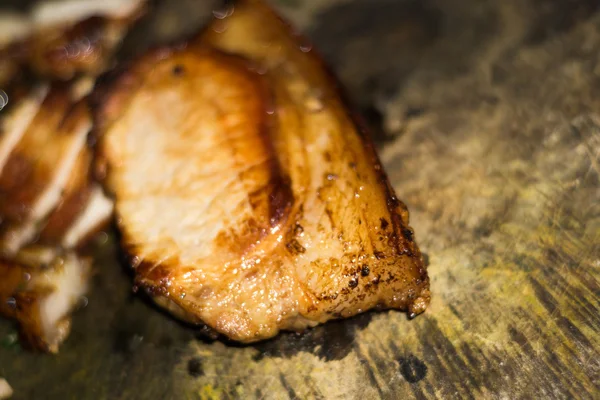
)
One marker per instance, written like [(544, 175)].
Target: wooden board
[(492, 117)]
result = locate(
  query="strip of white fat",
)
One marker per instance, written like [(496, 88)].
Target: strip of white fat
[(97, 210), (50, 198), (69, 282), (48, 13), (15, 124), (13, 27)]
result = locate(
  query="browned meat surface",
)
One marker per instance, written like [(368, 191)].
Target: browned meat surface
[(86, 46), (75, 194), (48, 206), (45, 179), (249, 197), (62, 39), (39, 288)]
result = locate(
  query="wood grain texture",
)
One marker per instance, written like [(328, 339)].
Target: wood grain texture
[(493, 141)]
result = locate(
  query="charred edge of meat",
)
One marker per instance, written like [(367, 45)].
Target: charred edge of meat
[(397, 209), (103, 102), (403, 243)]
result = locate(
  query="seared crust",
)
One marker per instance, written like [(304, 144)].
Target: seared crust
[(258, 203)]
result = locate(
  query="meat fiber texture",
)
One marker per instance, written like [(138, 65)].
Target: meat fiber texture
[(249, 197)]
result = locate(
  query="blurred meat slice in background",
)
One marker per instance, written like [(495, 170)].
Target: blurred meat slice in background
[(40, 287), (63, 39), (50, 206)]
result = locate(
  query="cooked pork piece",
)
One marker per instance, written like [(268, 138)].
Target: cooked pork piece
[(39, 288), (38, 168), (60, 39), (46, 186), (248, 195), (48, 205)]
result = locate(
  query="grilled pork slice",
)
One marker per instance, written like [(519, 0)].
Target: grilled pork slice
[(60, 39), (47, 193), (247, 195), (39, 288), (38, 167), (49, 205)]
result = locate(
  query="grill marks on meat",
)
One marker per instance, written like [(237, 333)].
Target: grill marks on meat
[(257, 203)]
